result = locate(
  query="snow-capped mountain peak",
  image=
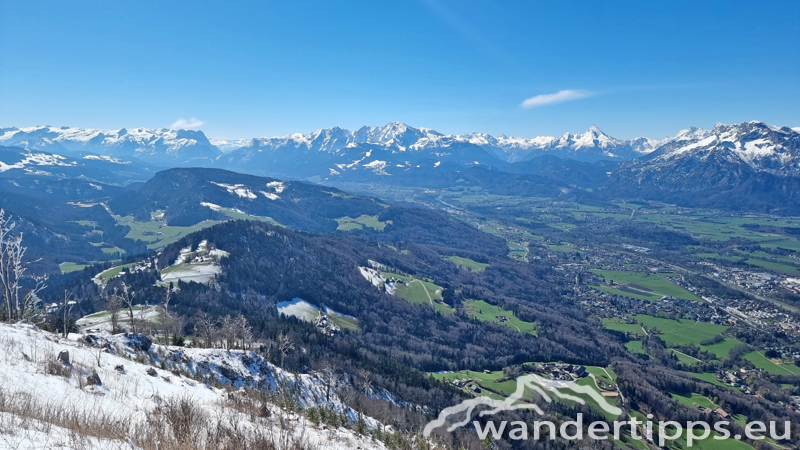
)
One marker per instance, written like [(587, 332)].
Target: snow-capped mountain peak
[(761, 146), (157, 145)]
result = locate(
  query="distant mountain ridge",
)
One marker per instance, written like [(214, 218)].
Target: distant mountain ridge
[(159, 146), (749, 166), (169, 148)]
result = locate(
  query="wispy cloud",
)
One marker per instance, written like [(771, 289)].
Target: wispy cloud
[(558, 97), (186, 124)]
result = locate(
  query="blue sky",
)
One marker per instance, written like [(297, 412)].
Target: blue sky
[(248, 69)]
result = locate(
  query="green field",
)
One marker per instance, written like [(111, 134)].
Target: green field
[(468, 264), (619, 324), (156, 233), (348, 223), (759, 360), (644, 286), (685, 332), (695, 399), (418, 291), (492, 376), (776, 266), (113, 251), (67, 267), (634, 347), (684, 359), (708, 377), (112, 272), (239, 215), (486, 312), (345, 322)]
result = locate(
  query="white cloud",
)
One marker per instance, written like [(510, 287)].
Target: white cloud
[(186, 124), (558, 97)]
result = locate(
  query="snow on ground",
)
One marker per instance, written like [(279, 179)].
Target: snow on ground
[(200, 266), (47, 404), (373, 276), (299, 308), (110, 159), (101, 320), (238, 189), (270, 195), (279, 186), (199, 273)]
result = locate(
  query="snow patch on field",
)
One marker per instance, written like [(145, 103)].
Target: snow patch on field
[(299, 308), (110, 159), (270, 195), (237, 189), (279, 186), (373, 276)]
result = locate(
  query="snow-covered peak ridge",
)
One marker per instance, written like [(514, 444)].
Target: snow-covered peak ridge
[(157, 145), (761, 146)]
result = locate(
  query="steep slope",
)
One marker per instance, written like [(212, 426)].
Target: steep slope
[(159, 146), (172, 403), (746, 166)]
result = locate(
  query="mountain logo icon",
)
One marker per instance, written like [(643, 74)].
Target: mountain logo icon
[(460, 415)]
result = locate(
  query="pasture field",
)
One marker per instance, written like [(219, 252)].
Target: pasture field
[(634, 347), (645, 286), (619, 324), (418, 292), (709, 378), (450, 376), (67, 267), (113, 251), (486, 312), (775, 266), (156, 233), (348, 223), (108, 274), (684, 359), (344, 322), (468, 264), (762, 362), (684, 332), (601, 374), (240, 215), (695, 399)]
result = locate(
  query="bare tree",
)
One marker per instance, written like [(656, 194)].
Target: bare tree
[(114, 305), (66, 308), (206, 326), (178, 322), (330, 379), (228, 330), (166, 318), (15, 304), (285, 346), (126, 298), (244, 329)]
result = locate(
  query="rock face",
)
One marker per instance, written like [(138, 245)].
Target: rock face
[(63, 356), (93, 380), (139, 342)]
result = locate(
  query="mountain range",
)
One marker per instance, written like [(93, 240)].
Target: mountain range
[(751, 165), (186, 147)]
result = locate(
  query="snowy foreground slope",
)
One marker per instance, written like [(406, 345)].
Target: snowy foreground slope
[(158, 397)]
